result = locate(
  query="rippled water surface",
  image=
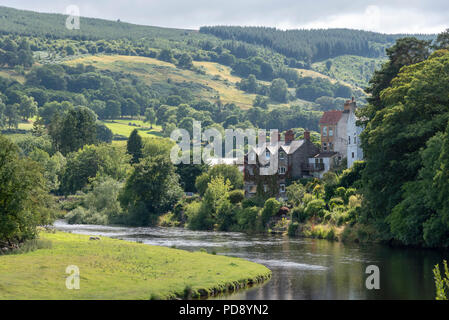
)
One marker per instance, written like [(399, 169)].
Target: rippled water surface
[(302, 268)]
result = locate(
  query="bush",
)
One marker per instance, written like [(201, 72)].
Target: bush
[(292, 228), (236, 196), (247, 218), (299, 214), (270, 209), (315, 208)]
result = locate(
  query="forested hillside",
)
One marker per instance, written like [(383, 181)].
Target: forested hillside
[(312, 45)]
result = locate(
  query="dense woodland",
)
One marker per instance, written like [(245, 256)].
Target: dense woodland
[(71, 165)]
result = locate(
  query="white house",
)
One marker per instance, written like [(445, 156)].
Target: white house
[(355, 152)]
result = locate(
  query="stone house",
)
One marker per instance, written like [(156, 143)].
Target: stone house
[(293, 163)]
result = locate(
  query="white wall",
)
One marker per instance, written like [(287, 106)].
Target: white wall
[(354, 146)]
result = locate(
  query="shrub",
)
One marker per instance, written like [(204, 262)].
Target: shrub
[(236, 196), (271, 208), (315, 208), (299, 214), (292, 228), (247, 218)]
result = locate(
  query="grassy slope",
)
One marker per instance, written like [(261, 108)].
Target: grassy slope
[(155, 72), (116, 269), (122, 127), (354, 70)]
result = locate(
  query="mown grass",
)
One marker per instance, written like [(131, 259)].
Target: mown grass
[(124, 127), (116, 269)]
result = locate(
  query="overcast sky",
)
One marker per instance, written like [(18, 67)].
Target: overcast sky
[(389, 16)]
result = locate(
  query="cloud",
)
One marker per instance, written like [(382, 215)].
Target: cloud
[(393, 16)]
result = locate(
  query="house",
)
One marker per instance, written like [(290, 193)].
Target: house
[(324, 162), (354, 150), (293, 163)]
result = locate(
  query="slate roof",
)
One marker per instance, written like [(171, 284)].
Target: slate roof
[(288, 148)]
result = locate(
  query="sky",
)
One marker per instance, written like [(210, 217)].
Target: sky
[(386, 16)]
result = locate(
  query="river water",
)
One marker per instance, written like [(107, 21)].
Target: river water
[(302, 268)]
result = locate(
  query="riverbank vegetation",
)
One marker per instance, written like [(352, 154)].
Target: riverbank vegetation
[(73, 96), (117, 269)]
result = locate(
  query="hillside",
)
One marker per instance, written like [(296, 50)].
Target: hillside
[(312, 45)]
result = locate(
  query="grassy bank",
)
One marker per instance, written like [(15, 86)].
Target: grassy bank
[(117, 269)]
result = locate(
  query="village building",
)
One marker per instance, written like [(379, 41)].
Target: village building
[(293, 163), (340, 139)]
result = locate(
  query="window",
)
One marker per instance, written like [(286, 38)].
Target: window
[(353, 155), (331, 132), (252, 156), (282, 188), (331, 146), (267, 155), (252, 189), (282, 170), (349, 139), (324, 146), (324, 131), (355, 139), (265, 188), (282, 155)]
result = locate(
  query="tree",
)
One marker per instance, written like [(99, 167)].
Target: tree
[(27, 107), (92, 161), (150, 116), (113, 109), (166, 55), (24, 200), (104, 134), (185, 61), (228, 172), (134, 146), (442, 41), (279, 90), (152, 189), (405, 52), (12, 116), (73, 129), (403, 151)]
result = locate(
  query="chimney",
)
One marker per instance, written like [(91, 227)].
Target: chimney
[(307, 135), (289, 136)]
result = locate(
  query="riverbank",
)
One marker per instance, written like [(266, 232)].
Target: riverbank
[(117, 269)]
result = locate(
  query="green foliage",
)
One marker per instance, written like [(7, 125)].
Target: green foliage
[(406, 134), (92, 161), (73, 129), (228, 172), (441, 282), (24, 199), (100, 204), (151, 190), (236, 196), (134, 146), (270, 209)]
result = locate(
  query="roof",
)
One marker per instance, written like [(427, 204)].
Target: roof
[(288, 148), (326, 154), (331, 117)]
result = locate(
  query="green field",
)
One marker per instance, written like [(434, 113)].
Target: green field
[(117, 269), (124, 127)]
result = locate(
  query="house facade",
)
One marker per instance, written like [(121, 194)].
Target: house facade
[(293, 163), (354, 150)]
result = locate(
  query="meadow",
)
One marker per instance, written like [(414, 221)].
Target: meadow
[(118, 269)]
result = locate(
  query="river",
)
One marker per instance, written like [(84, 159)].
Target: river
[(302, 268)]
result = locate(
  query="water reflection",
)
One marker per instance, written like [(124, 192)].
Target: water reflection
[(302, 268)]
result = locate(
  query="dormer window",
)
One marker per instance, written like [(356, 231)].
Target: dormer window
[(331, 132), (324, 131), (282, 155)]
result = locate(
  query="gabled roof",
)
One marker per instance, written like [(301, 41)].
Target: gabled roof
[(331, 117), (288, 148), (326, 154)]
